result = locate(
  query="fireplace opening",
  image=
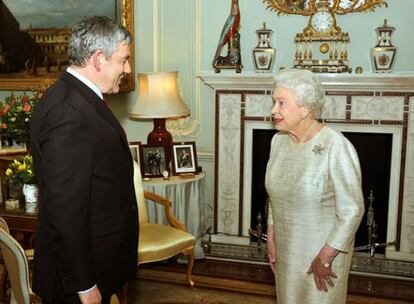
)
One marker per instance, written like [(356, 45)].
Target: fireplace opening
[(374, 152), (260, 156)]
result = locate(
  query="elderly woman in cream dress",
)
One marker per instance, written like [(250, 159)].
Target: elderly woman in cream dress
[(313, 180)]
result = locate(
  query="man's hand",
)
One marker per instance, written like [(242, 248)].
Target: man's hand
[(321, 267), (271, 247), (93, 296)]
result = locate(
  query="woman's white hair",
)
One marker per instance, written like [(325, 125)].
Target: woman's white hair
[(305, 85)]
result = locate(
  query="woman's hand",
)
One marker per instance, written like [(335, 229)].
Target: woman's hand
[(321, 267), (271, 247)]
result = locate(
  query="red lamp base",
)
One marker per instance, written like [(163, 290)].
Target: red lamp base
[(159, 136)]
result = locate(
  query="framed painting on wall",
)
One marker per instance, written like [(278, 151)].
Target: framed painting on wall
[(33, 44)]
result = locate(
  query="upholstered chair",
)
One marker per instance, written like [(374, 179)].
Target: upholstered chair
[(16, 260), (159, 242), (17, 267)]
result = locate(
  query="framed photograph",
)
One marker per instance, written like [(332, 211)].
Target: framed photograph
[(184, 158), (153, 161), (134, 148), (34, 42)]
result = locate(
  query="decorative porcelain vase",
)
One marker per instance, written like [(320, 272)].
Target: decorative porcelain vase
[(383, 54), (263, 54), (31, 193)]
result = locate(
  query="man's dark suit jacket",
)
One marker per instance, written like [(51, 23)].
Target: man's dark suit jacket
[(87, 229)]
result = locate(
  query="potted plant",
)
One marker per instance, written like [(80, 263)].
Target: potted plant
[(21, 175)]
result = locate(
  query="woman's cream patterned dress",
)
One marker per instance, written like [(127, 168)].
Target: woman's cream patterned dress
[(316, 199)]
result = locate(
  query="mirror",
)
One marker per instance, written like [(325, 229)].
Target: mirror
[(34, 43)]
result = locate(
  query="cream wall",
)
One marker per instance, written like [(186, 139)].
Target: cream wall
[(360, 26)]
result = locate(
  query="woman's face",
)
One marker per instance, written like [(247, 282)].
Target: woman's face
[(287, 115)]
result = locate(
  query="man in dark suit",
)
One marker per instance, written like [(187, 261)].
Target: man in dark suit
[(86, 238)]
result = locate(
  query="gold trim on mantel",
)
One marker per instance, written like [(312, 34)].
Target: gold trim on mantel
[(251, 80)]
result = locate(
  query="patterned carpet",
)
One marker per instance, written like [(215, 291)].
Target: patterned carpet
[(149, 292)]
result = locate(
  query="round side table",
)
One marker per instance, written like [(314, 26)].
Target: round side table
[(188, 203)]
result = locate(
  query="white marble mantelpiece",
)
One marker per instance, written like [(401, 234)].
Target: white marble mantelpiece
[(251, 80), (371, 103)]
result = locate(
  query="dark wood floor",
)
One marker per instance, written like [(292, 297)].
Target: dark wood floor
[(259, 279)]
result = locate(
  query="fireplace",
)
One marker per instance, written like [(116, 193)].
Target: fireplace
[(366, 108), (374, 152)]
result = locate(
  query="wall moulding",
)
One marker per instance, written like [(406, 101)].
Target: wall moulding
[(163, 57)]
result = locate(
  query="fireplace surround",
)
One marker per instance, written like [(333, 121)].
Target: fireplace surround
[(374, 152), (363, 103)]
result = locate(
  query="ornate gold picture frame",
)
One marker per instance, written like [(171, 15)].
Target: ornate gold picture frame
[(25, 79)]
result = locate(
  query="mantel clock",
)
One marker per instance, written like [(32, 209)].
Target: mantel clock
[(322, 46)]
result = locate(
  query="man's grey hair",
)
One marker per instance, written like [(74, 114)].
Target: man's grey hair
[(305, 85), (93, 34)]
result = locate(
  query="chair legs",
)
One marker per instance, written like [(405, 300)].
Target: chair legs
[(189, 253), (3, 284)]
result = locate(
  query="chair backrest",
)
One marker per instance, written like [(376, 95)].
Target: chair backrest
[(3, 225), (16, 265), (139, 193)]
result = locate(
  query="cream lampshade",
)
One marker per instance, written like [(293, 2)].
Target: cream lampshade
[(159, 99)]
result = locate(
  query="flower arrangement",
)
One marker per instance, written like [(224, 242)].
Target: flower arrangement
[(21, 172), (15, 114)]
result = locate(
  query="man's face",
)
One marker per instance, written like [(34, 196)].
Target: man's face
[(115, 68)]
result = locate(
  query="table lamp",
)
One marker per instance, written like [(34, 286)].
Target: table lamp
[(159, 99)]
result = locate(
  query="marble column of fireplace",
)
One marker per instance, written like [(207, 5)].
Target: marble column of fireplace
[(373, 103)]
